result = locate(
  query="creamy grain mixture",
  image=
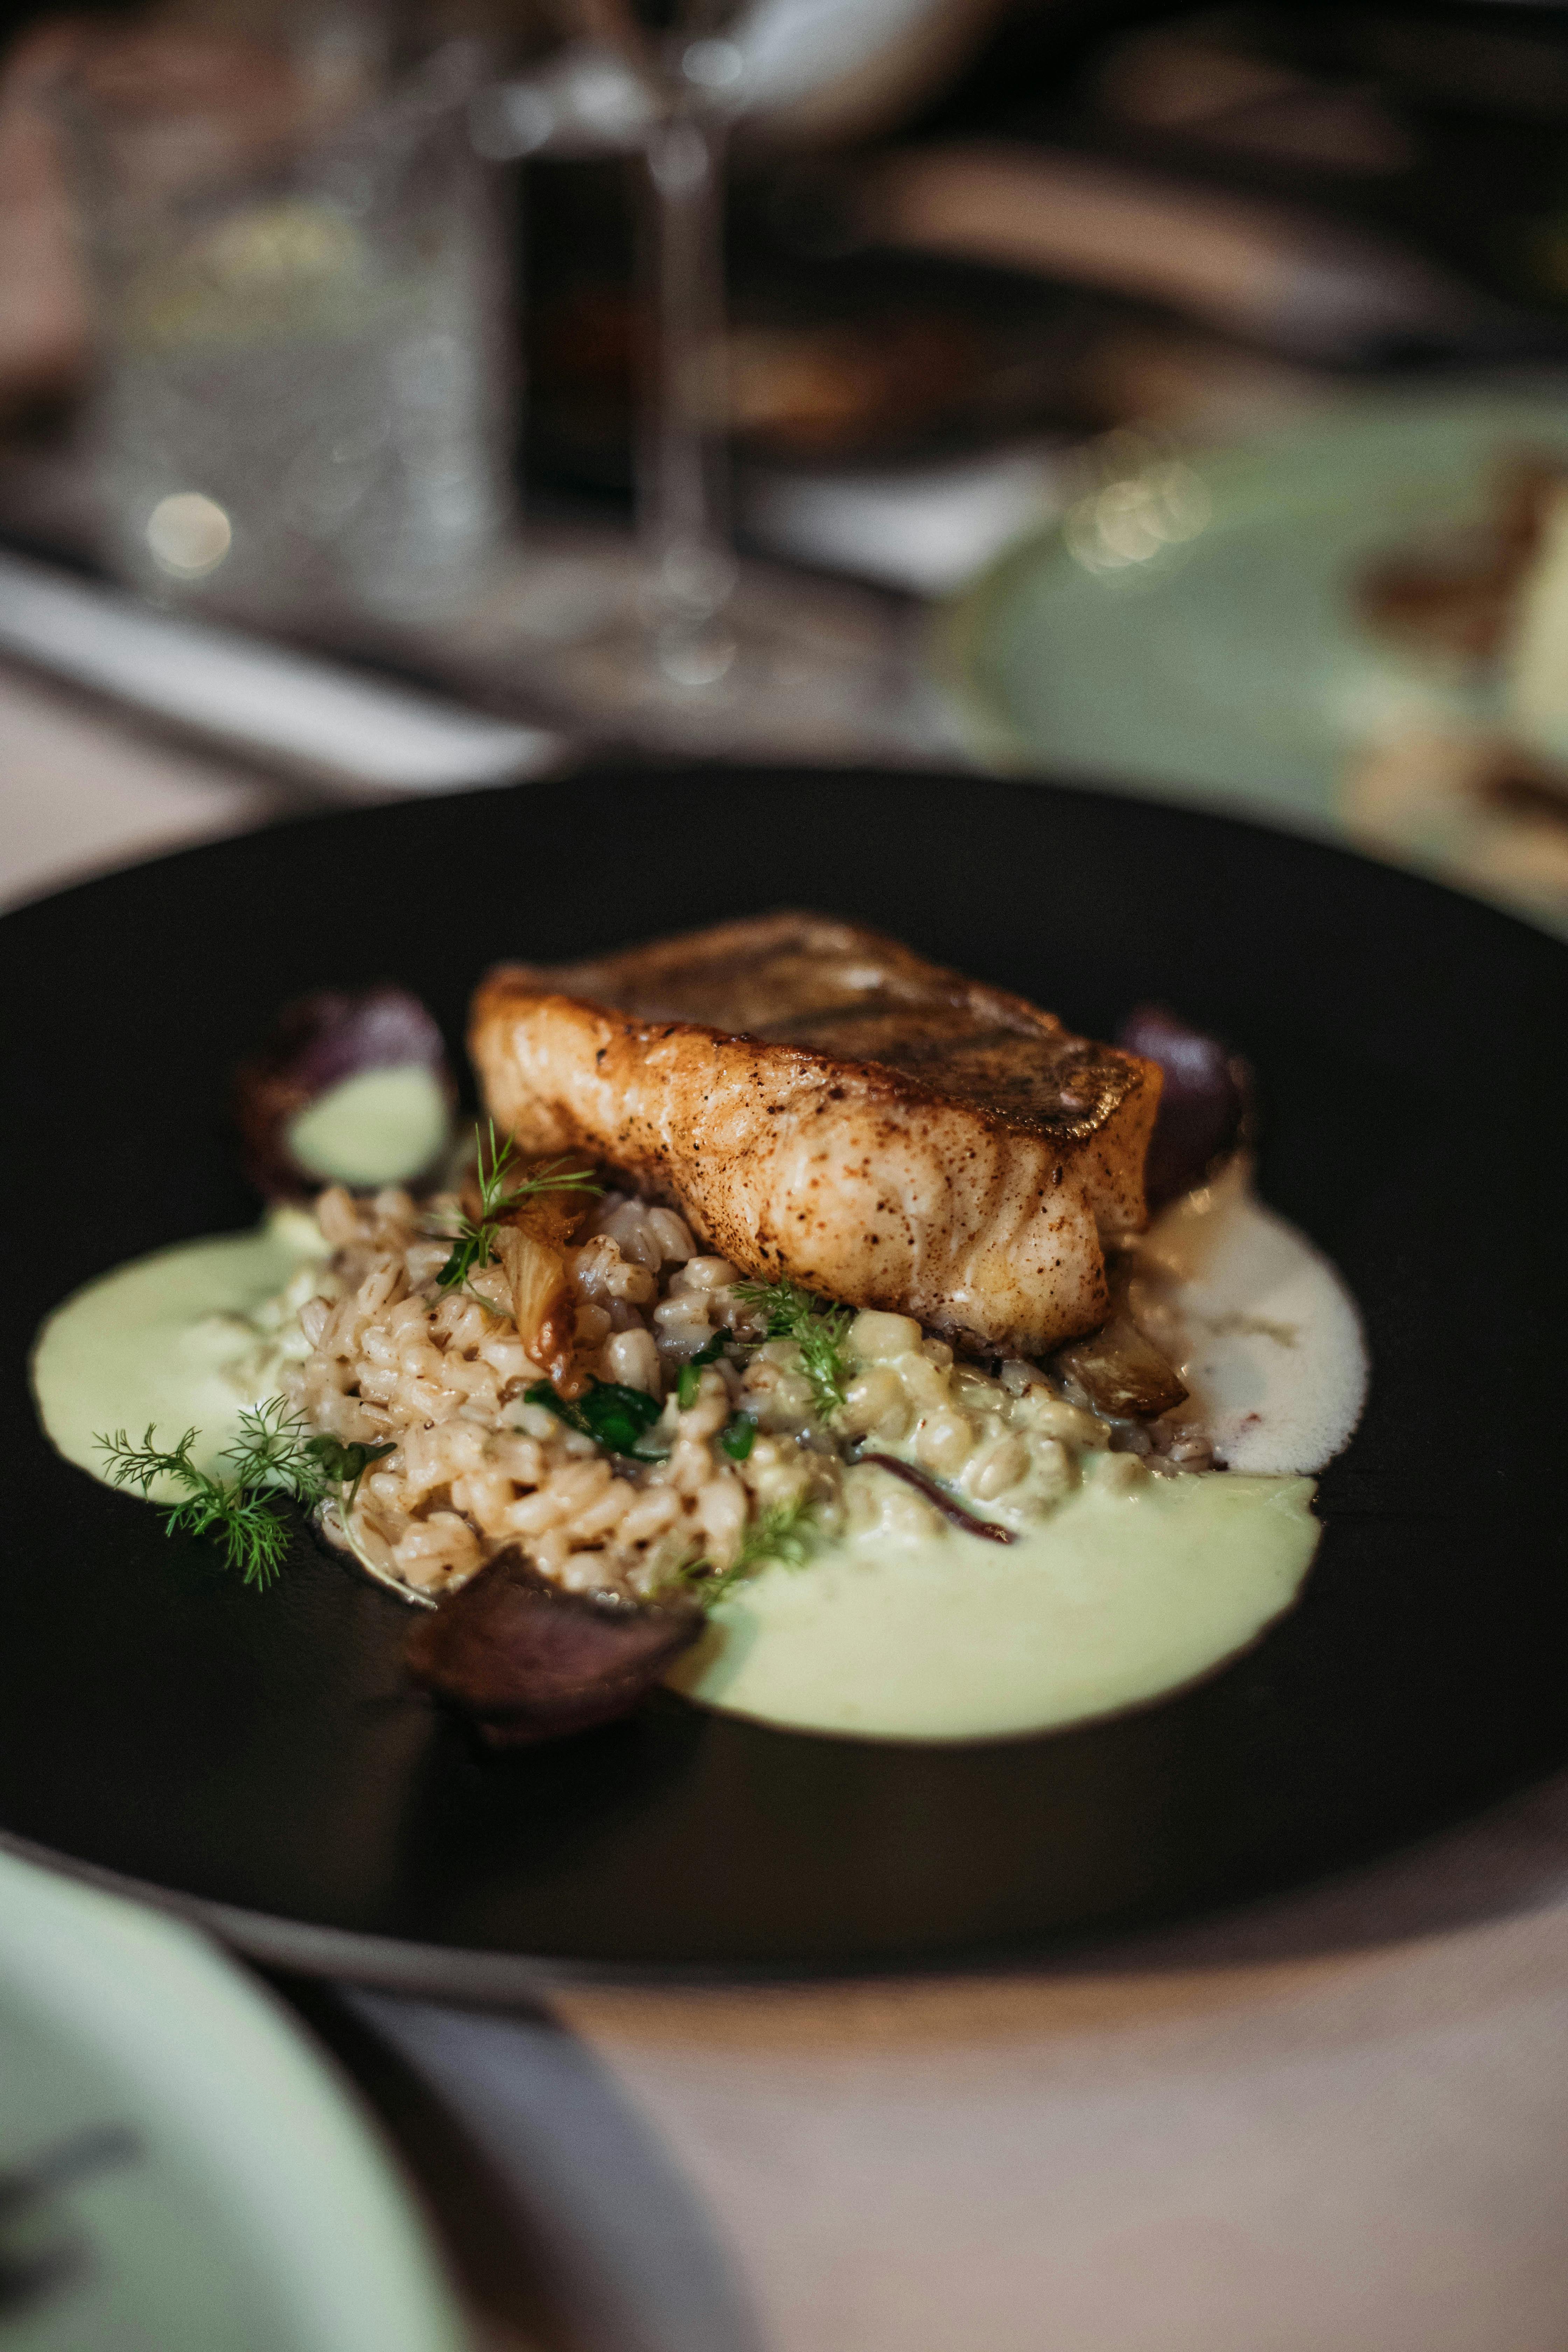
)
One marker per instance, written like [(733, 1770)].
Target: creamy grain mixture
[(367, 1347)]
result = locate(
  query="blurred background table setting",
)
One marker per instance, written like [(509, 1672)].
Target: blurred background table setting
[(399, 397), (358, 331)]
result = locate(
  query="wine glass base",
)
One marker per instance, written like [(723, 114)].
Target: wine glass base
[(795, 666)]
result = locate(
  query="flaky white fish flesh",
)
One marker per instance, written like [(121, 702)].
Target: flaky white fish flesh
[(821, 1102)]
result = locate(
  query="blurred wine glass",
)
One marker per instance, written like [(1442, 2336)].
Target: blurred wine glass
[(681, 626), (692, 72)]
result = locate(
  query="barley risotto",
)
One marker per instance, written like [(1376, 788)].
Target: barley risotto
[(743, 1432)]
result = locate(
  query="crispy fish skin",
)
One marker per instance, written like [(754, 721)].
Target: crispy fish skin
[(961, 1166)]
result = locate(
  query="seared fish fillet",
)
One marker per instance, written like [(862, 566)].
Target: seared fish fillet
[(821, 1102)]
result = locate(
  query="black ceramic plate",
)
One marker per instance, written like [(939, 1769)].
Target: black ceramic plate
[(259, 1756)]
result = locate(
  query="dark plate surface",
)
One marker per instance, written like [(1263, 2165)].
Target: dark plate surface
[(260, 1757)]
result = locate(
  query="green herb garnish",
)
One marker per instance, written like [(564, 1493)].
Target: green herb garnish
[(474, 1242), (614, 1415), (345, 1465), (818, 1331), (270, 1459), (738, 1436), (788, 1534), (686, 1387)]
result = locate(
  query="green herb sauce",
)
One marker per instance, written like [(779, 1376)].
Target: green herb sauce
[(380, 1127), (1117, 1597), (162, 1341)]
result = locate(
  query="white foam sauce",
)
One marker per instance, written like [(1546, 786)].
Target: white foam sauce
[(1119, 1596), (1260, 1327)]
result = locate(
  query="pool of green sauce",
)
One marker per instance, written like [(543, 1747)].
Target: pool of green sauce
[(1116, 1598), (1119, 1596)]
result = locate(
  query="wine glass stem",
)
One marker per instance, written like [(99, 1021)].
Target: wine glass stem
[(681, 492)]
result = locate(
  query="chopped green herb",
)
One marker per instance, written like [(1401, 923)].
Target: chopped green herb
[(345, 1465), (271, 1458), (474, 1242), (544, 1393), (620, 1417), (818, 1331), (738, 1436), (615, 1416), (686, 1387)]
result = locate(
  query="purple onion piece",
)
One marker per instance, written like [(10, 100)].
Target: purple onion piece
[(1204, 1106), (315, 1044), (953, 1511), (529, 1663)]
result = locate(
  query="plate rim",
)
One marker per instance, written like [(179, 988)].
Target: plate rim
[(398, 2278), (987, 729)]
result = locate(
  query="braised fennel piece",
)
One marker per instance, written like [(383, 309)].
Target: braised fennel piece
[(474, 1242)]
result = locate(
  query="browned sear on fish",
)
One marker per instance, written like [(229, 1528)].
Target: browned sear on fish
[(822, 1103)]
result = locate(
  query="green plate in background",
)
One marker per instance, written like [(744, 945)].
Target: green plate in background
[(1214, 654), (178, 2173)]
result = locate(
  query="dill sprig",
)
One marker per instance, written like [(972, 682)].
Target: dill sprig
[(787, 1535), (271, 1460), (254, 1533), (818, 1331), (270, 1456), (474, 1242)]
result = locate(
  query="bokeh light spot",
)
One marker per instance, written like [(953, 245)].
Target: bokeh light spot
[(188, 534)]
